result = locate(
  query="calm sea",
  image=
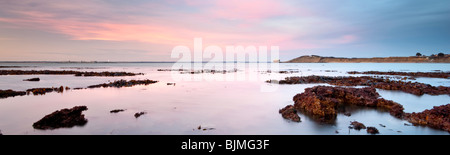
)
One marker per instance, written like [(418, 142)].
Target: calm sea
[(243, 105)]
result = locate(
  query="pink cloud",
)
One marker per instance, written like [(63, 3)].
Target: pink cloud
[(253, 10), (345, 39)]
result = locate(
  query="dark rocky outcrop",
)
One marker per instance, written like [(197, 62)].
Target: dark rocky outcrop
[(11, 93), (412, 74), (438, 117), (123, 83), (415, 88), (116, 110), (290, 113), (42, 91), (139, 114), (32, 79), (65, 72), (64, 118), (372, 130), (323, 102), (357, 125)]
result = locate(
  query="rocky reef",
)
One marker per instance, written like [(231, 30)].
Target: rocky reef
[(11, 93), (290, 113), (64, 118), (438, 117), (357, 125), (412, 74), (415, 88), (42, 91), (372, 130), (65, 72), (123, 83), (324, 102)]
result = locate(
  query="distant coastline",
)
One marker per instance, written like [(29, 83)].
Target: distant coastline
[(411, 59)]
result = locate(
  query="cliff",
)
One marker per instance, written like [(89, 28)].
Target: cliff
[(411, 59)]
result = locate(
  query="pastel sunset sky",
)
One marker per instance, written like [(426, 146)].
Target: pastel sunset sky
[(148, 30)]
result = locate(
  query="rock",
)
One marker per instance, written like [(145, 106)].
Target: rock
[(372, 130), (32, 79), (323, 102), (347, 114), (438, 117), (64, 118), (139, 114), (11, 93), (65, 72), (290, 113), (438, 74), (171, 84), (415, 88), (204, 128), (382, 125), (116, 110), (123, 83), (42, 91), (357, 125)]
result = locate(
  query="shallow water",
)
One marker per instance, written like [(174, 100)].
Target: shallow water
[(230, 107)]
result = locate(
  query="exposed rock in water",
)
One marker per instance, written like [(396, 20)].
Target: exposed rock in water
[(357, 125), (116, 110), (139, 114), (11, 93), (415, 88), (65, 72), (438, 117), (32, 79), (323, 102), (413, 74), (123, 83), (64, 118), (290, 113), (372, 130), (42, 91)]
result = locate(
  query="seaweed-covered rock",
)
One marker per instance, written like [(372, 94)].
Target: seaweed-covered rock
[(11, 93), (372, 130), (123, 83), (290, 113), (324, 101), (357, 125), (65, 72), (42, 91), (438, 117), (413, 74), (415, 88), (64, 118)]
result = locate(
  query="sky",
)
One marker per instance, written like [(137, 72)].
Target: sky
[(148, 30)]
